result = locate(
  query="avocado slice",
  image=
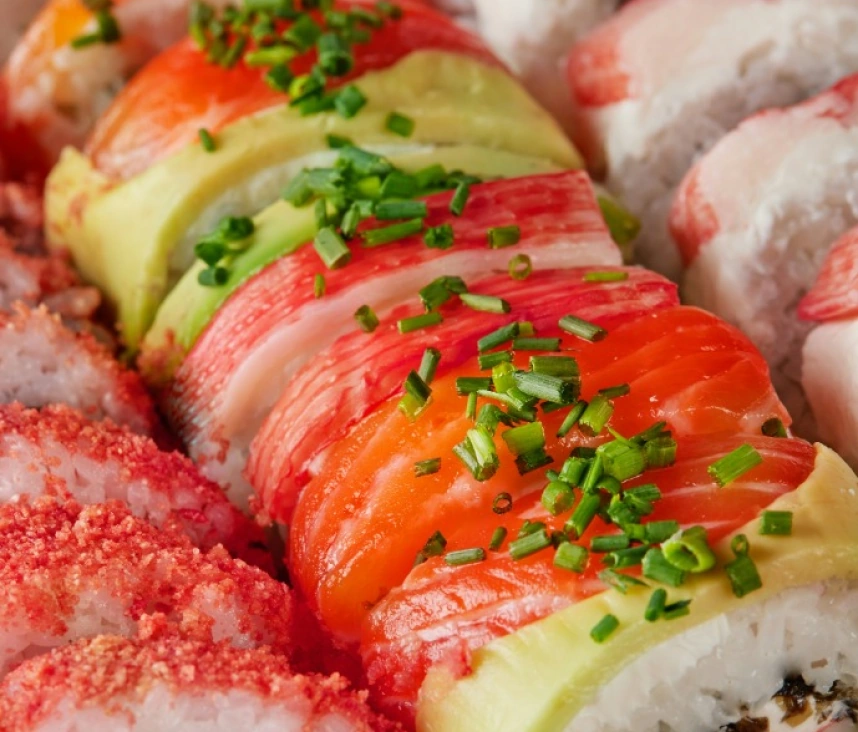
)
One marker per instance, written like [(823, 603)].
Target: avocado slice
[(540, 677), (280, 230), (135, 238)]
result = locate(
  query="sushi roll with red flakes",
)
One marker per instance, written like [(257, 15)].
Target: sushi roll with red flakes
[(829, 353), (43, 362), (116, 684), (71, 572), (58, 452), (659, 83), (756, 216)]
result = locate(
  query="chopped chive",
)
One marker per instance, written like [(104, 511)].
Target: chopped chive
[(655, 606), (363, 162), (621, 512), (335, 56), (529, 544), (524, 439), (416, 322), (479, 445), (485, 303), (647, 492), (321, 214), (583, 514), (594, 473), (534, 460), (439, 237), (349, 101), (430, 177), (546, 387), (490, 360), (564, 367), (689, 550), (612, 392), (735, 464), (557, 498), (206, 140), (520, 267), (502, 503), (609, 484), (596, 415), (650, 433), (331, 248), (460, 198), (530, 527), (572, 557), (622, 460), (427, 467), (400, 209), (657, 568), (573, 470), (498, 536), (470, 384), (465, 556), (581, 328), (429, 364), (392, 233), (743, 575), (399, 124), (660, 452), (366, 318), (609, 543), (602, 630), (623, 558), (776, 523), (471, 407), (503, 377), (440, 290), (658, 531), (434, 547), (525, 329), (774, 427), (213, 276), (335, 142), (676, 610), (503, 236), (498, 337), (279, 78), (622, 583), (622, 225), (536, 344), (319, 285), (491, 416), (572, 418), (398, 185), (606, 276)]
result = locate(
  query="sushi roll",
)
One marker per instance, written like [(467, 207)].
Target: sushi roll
[(829, 353), (756, 216), (263, 333), (117, 684), (72, 572), (658, 84), (199, 135), (58, 452), (42, 362)]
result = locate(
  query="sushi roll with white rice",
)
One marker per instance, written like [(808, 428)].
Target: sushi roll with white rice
[(756, 216), (72, 572), (660, 82), (119, 685)]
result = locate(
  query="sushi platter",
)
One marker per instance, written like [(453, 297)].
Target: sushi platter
[(484, 365)]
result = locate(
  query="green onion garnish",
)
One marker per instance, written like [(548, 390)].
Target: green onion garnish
[(689, 550), (658, 531), (734, 465), (624, 227), (502, 503), (609, 543), (655, 606), (604, 628), (612, 392), (776, 523), (573, 470), (774, 427), (498, 536), (606, 276), (440, 290), (335, 142), (478, 453), (393, 233), (622, 583), (520, 267), (596, 415), (594, 473), (434, 547), (399, 124), (581, 328), (398, 185), (572, 418), (572, 557), (660, 452), (465, 556), (545, 387), (524, 439), (471, 407), (503, 236), (206, 140), (656, 567), (623, 558), (676, 610), (564, 367), (742, 571), (331, 248), (557, 497), (427, 467), (485, 303), (622, 460), (321, 214), (416, 322), (490, 360), (366, 318), (319, 286), (213, 276), (498, 337), (503, 377), (439, 237), (529, 544), (460, 198), (531, 461), (335, 56), (279, 78), (429, 364), (530, 527), (349, 101), (583, 515), (536, 344), (400, 209), (471, 384)]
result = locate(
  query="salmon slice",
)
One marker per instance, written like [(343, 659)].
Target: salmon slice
[(834, 294), (364, 516), (269, 327), (440, 614), (345, 383), (180, 91)]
